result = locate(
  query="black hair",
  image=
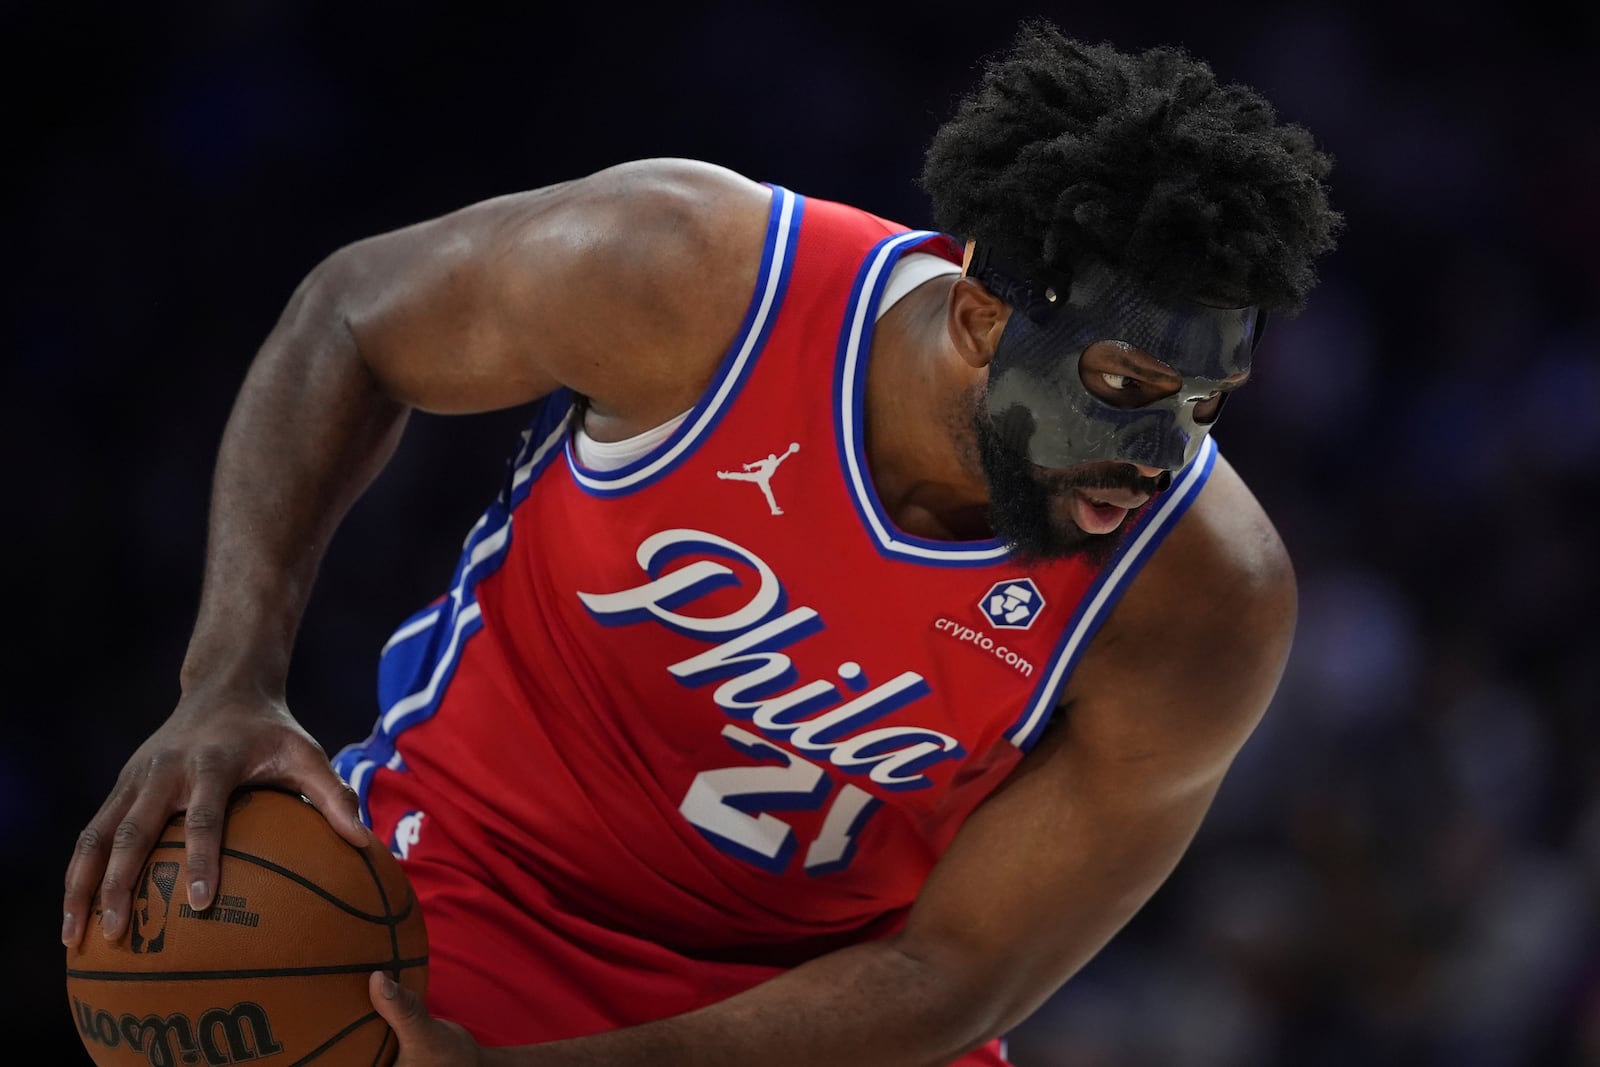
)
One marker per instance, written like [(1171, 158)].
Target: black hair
[(1194, 189)]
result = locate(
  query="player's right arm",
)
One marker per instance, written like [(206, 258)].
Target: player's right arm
[(625, 286)]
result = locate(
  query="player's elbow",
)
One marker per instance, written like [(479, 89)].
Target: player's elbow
[(962, 1003)]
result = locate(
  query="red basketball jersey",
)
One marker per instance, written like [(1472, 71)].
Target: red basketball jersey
[(714, 700)]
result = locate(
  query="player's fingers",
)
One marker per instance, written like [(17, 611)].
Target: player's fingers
[(213, 776), (131, 841), (336, 801), (423, 1039), (400, 1007), (88, 864)]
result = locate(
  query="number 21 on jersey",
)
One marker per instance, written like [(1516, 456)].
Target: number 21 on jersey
[(732, 807)]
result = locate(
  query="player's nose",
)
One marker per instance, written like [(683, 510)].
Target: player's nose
[(1160, 476)]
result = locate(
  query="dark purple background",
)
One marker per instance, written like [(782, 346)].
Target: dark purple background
[(1404, 866)]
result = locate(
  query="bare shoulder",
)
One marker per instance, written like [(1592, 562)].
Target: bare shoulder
[(625, 285), (687, 197), (1221, 583), (1225, 560), (1190, 658), (665, 230), (662, 258)]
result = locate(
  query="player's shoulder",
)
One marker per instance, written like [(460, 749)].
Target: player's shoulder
[(1220, 589), (643, 227), (680, 176), (1224, 564), (1202, 635), (1228, 521), (661, 255), (695, 207)]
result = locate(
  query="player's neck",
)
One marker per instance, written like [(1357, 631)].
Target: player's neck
[(918, 422)]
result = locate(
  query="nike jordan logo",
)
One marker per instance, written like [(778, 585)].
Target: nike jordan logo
[(761, 472)]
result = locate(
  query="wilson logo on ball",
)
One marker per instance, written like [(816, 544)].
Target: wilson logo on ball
[(220, 1036), (1012, 604)]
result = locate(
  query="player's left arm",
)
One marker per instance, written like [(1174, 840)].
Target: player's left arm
[(1049, 869), (1051, 866)]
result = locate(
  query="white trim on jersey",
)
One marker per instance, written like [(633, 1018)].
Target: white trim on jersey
[(730, 377), (866, 497), (1109, 589), (412, 629), (488, 548), (525, 470), (393, 719), (910, 272)]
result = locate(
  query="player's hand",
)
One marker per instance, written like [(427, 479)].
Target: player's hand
[(205, 750), (424, 1040)]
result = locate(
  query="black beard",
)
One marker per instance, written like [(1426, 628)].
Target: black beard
[(1025, 500)]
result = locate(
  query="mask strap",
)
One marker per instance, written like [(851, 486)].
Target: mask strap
[(1039, 299), (1259, 329)]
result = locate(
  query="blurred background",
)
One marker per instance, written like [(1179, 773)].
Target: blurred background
[(1404, 866)]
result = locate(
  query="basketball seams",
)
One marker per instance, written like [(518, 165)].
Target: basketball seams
[(310, 971), (340, 1036), (391, 920), (383, 1055), (388, 918)]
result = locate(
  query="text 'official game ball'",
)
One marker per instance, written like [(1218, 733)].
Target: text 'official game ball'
[(275, 969)]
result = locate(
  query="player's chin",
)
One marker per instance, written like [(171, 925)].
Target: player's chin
[(1069, 540), (1098, 550)]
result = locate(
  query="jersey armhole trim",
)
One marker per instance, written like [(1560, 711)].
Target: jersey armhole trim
[(772, 281), (1107, 588), (849, 398), (420, 657)]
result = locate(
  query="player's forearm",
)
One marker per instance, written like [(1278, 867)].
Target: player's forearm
[(307, 433), (870, 1005)]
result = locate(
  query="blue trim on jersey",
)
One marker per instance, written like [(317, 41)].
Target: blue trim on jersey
[(419, 660), (849, 393), (772, 283), (1109, 585)]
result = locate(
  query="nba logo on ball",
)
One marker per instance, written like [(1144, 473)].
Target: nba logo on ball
[(1012, 604), (152, 905)]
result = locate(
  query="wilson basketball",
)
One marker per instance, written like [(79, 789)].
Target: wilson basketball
[(276, 967)]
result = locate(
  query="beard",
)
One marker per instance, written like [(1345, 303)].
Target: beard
[(1030, 507)]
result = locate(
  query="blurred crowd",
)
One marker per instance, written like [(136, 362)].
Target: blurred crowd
[(1403, 866)]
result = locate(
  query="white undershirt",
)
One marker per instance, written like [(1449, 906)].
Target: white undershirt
[(912, 270)]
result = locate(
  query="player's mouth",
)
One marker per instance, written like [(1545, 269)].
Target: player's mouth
[(1102, 511)]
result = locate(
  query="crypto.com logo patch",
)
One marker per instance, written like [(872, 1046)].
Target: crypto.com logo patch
[(1013, 604)]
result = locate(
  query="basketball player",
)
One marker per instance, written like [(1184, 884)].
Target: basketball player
[(855, 760)]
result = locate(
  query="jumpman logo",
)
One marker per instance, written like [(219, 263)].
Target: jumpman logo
[(761, 472)]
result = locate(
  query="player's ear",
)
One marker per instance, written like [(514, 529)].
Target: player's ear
[(975, 319)]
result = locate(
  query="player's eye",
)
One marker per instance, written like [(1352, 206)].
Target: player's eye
[(1207, 407), (1119, 382)]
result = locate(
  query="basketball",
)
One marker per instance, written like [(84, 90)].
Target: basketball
[(276, 967)]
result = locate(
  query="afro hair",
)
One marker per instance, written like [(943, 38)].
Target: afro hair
[(1194, 189)]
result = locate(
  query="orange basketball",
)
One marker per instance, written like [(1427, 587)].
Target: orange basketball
[(276, 967)]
